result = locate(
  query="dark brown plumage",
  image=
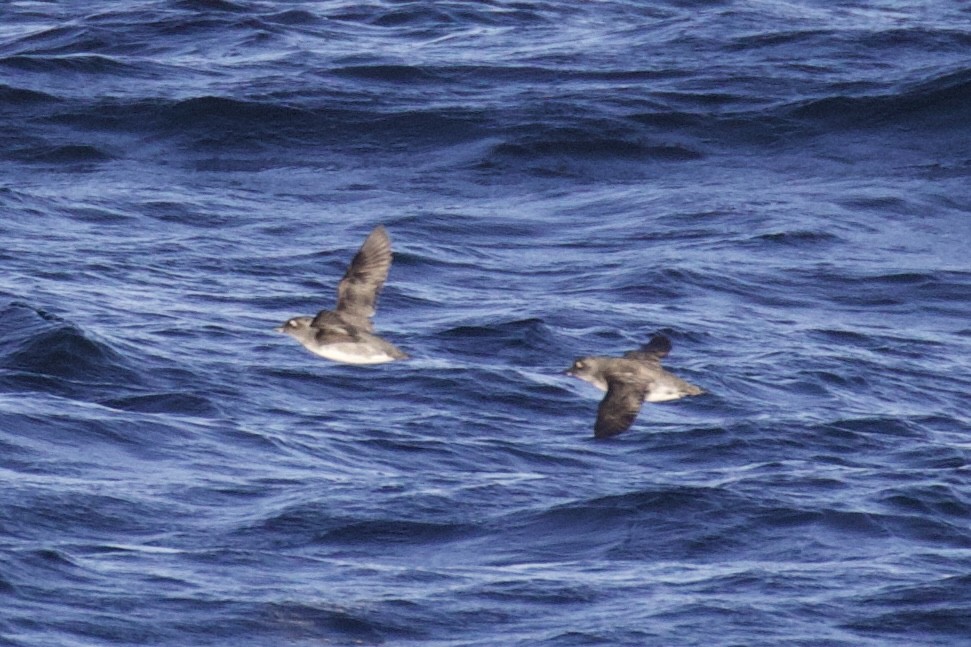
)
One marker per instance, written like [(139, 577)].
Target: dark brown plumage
[(357, 293), (346, 334), (629, 381)]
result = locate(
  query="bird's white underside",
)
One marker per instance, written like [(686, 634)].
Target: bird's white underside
[(657, 393), (351, 353), (664, 393)]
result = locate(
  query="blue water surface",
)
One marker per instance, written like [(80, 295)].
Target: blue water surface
[(782, 188)]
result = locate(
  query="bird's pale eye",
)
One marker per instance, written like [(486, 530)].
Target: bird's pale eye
[(292, 323), (578, 365)]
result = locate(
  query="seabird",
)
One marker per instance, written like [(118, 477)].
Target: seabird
[(629, 381), (346, 334)]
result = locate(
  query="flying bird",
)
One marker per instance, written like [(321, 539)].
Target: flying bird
[(346, 334), (629, 381)]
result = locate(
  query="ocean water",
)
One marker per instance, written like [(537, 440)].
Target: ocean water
[(783, 188)]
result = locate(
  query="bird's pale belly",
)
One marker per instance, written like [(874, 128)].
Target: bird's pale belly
[(664, 393), (351, 353)]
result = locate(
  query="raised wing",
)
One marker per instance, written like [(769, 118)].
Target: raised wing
[(357, 292), (652, 351), (619, 408)]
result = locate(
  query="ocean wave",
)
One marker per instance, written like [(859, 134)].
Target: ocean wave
[(928, 609), (883, 289), (37, 343), (515, 133), (559, 179), (359, 626), (439, 17), (584, 145), (69, 64), (11, 95), (72, 516), (67, 154), (937, 103), (797, 238), (228, 123), (305, 524), (178, 402), (40, 351), (501, 337), (639, 113), (212, 5), (931, 500)]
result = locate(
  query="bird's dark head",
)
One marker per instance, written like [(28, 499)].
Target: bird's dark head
[(581, 367), (589, 369), (296, 324)]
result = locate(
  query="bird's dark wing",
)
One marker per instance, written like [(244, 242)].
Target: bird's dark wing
[(619, 408), (328, 319), (652, 351), (357, 292), (329, 326)]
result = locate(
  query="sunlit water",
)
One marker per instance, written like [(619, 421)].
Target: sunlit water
[(781, 188)]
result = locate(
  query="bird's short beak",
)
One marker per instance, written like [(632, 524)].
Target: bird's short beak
[(569, 372), (279, 329)]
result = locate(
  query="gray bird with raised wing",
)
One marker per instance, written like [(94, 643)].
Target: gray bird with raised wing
[(629, 381), (346, 334)]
